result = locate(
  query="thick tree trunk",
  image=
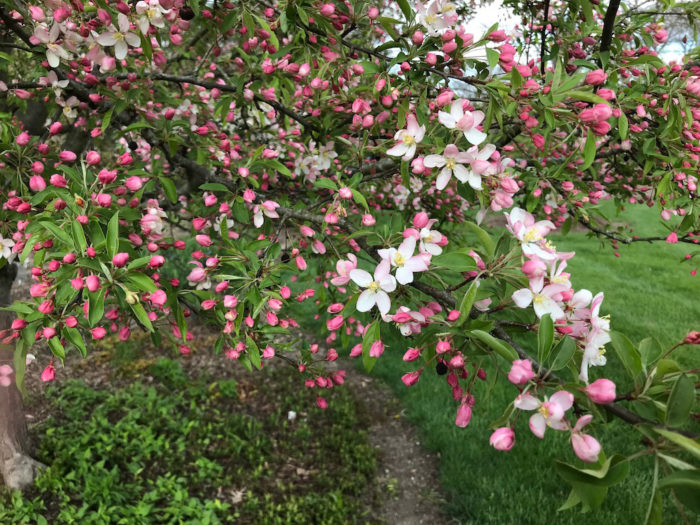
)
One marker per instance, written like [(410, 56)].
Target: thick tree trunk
[(16, 466)]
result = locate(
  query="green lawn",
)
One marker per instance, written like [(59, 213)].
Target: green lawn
[(647, 293)]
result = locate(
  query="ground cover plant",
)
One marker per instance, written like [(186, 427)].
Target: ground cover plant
[(164, 447), (378, 169)]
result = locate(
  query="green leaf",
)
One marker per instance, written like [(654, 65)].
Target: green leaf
[(458, 261), (680, 402), (688, 444), (650, 350), (500, 347), (623, 126), (58, 232), (586, 96), (484, 238), (360, 199), (405, 9), (563, 353), (492, 56), (683, 478), (628, 354), (142, 316), (589, 150), (465, 305), (20, 364), (96, 307), (57, 348), (372, 334), (79, 236), (213, 186), (326, 183), (545, 338), (253, 352), (168, 188), (113, 235), (73, 335), (141, 282)]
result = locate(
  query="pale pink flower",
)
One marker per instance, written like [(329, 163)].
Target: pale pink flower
[(596, 339), (268, 209), (377, 288), (121, 39), (531, 234), (343, 268), (430, 241), (54, 52), (407, 139), (403, 259), (544, 299), (452, 162), (151, 14), (550, 412), (586, 447), (465, 121)]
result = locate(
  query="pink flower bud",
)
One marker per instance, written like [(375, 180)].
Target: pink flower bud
[(502, 438), (67, 156), (411, 378), (335, 323), (601, 391), (596, 77), (442, 347), (98, 333), (120, 260), (520, 372), (133, 183), (420, 220), (37, 183), (376, 349), (49, 373), (92, 158), (464, 415), (92, 282), (411, 354), (158, 298)]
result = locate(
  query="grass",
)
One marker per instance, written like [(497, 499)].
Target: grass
[(200, 452), (647, 293)]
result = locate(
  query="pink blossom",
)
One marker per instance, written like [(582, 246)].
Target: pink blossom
[(596, 77), (502, 439), (464, 415), (585, 446), (49, 373), (601, 391), (158, 298), (407, 139), (120, 260), (520, 372)]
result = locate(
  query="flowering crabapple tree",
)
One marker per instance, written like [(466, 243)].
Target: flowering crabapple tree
[(374, 160)]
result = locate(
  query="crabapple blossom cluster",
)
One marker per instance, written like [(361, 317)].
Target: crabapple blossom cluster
[(576, 314), (263, 169)]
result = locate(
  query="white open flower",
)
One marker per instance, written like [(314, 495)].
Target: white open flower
[(403, 259), (377, 289), (407, 139), (121, 39), (6, 248), (451, 161), (465, 121)]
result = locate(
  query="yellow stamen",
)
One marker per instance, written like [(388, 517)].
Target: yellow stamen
[(374, 286), (399, 259)]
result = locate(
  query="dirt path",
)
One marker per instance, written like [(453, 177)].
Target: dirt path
[(407, 481)]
